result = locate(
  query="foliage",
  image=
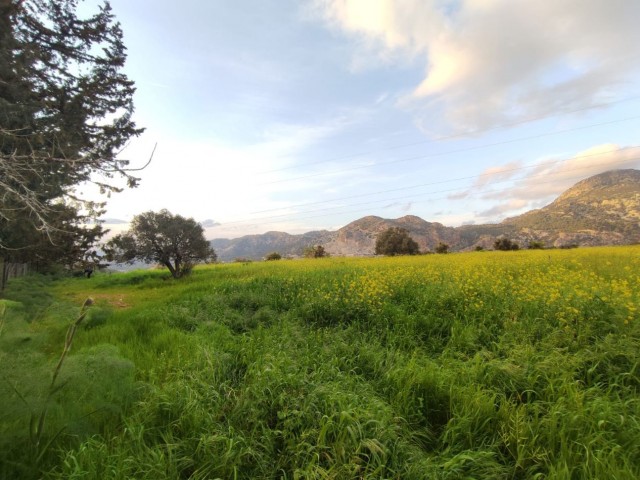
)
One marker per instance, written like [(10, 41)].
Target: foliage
[(448, 367), (173, 241), (536, 245), (316, 251), (65, 113), (442, 248), (273, 256), (505, 244), (70, 244), (395, 241)]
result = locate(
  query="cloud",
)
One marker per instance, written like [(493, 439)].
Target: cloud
[(550, 178), (495, 61), (208, 223), (501, 209), (498, 174)]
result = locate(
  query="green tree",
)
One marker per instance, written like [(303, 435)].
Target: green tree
[(442, 248), (65, 114), (396, 241), (69, 245), (316, 251), (536, 245), (505, 244), (273, 256), (174, 241)]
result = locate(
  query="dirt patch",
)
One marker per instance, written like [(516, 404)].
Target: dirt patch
[(116, 300)]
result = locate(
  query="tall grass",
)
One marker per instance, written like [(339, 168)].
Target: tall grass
[(506, 365)]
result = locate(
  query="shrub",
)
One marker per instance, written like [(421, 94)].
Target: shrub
[(442, 248), (396, 241), (505, 244)]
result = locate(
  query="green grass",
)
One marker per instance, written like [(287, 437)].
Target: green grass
[(510, 365)]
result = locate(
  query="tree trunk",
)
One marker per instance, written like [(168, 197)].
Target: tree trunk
[(174, 273)]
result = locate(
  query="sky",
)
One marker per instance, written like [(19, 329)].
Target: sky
[(300, 115)]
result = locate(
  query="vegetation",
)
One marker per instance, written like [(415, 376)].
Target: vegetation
[(173, 241), (442, 248), (316, 251), (273, 256), (396, 241), (536, 245), (65, 113), (505, 244), (438, 366)]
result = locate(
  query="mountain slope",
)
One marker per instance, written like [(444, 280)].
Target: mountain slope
[(601, 210)]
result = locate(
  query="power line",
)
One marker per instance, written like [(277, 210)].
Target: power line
[(250, 222), (443, 181), (451, 137), (450, 152)]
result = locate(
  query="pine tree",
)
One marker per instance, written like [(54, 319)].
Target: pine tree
[(65, 114)]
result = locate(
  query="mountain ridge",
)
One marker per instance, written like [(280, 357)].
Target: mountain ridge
[(600, 210)]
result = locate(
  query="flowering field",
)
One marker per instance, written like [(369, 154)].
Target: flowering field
[(502, 365)]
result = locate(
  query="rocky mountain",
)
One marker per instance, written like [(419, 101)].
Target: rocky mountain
[(255, 247), (601, 210)]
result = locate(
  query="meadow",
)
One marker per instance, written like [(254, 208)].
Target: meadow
[(483, 365)]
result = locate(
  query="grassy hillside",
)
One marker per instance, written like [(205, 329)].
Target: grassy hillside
[(501, 365)]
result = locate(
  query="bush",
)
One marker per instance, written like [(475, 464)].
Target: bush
[(317, 251), (442, 248), (273, 256), (505, 244), (396, 241)]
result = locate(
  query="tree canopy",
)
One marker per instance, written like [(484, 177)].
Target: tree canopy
[(315, 251), (65, 115), (174, 241), (505, 244), (442, 248), (396, 241)]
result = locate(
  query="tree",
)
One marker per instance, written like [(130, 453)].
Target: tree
[(273, 256), (536, 245), (316, 251), (69, 245), (176, 242), (505, 244), (396, 241), (442, 248), (65, 114)]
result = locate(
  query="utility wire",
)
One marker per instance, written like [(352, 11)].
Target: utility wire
[(250, 222), (451, 137), (470, 177), (450, 152)]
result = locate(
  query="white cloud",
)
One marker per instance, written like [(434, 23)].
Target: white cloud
[(550, 178), (493, 61)]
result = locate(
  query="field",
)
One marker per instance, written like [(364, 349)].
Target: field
[(484, 365)]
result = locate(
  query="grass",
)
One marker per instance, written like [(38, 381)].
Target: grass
[(505, 365)]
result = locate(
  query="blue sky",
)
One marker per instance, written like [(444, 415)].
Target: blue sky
[(298, 115)]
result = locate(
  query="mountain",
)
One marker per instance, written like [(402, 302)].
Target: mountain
[(601, 210), (256, 247), (604, 209)]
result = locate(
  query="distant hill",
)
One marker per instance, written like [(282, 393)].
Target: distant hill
[(601, 210)]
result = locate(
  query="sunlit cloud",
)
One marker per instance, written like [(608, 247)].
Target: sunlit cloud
[(490, 62)]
